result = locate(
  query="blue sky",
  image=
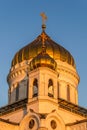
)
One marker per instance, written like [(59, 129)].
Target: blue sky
[(20, 23)]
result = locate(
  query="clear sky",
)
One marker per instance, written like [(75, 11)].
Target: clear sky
[(20, 23)]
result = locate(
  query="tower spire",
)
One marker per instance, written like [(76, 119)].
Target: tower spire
[(44, 18)]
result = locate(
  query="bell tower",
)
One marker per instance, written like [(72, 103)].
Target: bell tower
[(42, 79)]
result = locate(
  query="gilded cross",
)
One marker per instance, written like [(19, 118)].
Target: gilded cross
[(44, 18)]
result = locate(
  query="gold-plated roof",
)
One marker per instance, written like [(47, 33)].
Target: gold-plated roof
[(43, 60), (54, 50)]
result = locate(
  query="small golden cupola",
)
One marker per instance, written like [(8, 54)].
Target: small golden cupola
[(43, 60)]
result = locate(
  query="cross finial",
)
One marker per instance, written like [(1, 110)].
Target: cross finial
[(44, 18), (43, 37)]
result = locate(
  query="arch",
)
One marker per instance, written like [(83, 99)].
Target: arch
[(58, 122), (50, 88), (35, 88), (30, 121)]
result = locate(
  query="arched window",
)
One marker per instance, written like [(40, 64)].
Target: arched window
[(35, 88), (68, 93), (50, 88)]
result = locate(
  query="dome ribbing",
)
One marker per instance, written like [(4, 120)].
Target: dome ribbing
[(54, 50)]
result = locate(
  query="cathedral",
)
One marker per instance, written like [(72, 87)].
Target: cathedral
[(43, 88)]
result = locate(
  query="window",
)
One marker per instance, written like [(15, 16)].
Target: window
[(23, 89), (9, 92), (35, 88), (17, 92), (58, 90), (68, 93), (53, 124), (31, 123), (50, 88)]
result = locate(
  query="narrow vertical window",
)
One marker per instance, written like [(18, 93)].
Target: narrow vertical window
[(58, 90), (35, 88), (17, 92), (9, 93), (68, 93), (50, 88), (75, 96)]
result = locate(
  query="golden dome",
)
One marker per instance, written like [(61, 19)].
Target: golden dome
[(54, 50), (43, 60)]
